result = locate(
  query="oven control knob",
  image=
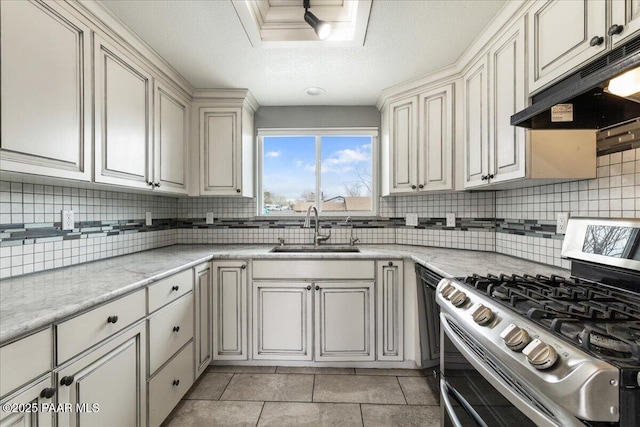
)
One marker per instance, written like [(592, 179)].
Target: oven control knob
[(540, 355), (482, 315), (447, 290), (515, 338), (458, 298)]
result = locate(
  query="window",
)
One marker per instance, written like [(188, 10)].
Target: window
[(331, 169)]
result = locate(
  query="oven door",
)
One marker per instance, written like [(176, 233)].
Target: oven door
[(471, 394)]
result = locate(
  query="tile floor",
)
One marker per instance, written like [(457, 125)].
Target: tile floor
[(307, 396)]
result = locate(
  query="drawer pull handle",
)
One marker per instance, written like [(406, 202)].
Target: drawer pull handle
[(176, 329), (112, 319), (175, 288), (596, 41), (48, 392), (176, 383), (68, 380)]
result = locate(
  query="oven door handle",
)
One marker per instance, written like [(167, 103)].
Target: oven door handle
[(445, 391)]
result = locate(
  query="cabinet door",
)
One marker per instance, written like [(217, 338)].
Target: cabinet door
[(171, 120), (108, 384), (46, 95), (230, 311), (435, 142), (627, 14), (282, 321), (476, 137), (204, 318), (344, 318), (29, 396), (220, 151), (403, 136), (122, 121), (390, 289), (508, 96), (560, 37)]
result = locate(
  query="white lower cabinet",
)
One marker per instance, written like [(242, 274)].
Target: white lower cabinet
[(168, 386), (106, 386), (282, 320), (327, 310), (230, 310), (204, 317), (38, 394), (345, 321), (390, 312)]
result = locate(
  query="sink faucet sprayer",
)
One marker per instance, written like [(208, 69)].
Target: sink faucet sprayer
[(317, 237), (352, 240)]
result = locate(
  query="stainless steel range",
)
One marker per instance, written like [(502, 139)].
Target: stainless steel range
[(551, 351)]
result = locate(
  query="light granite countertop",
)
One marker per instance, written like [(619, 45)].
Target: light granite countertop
[(31, 302)]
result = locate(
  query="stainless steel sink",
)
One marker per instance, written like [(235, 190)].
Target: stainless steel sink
[(315, 249)]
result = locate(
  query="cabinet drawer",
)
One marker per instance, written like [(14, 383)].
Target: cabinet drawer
[(81, 332), (170, 329), (314, 269), (170, 289), (15, 369), (167, 388)]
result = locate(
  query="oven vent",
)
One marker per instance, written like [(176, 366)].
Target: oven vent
[(495, 366)]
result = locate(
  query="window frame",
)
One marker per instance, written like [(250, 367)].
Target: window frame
[(318, 133)]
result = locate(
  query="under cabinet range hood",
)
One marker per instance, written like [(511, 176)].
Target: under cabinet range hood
[(585, 99)]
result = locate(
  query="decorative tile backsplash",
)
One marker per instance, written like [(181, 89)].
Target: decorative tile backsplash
[(518, 222)]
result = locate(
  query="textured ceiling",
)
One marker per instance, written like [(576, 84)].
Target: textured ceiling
[(205, 41)]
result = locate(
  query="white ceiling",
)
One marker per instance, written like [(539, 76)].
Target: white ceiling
[(205, 41)]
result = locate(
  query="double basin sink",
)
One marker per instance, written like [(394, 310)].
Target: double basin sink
[(315, 249)]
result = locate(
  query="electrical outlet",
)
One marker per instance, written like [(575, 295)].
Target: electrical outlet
[(451, 220), (147, 219), (411, 219), (67, 220), (209, 218), (561, 224)]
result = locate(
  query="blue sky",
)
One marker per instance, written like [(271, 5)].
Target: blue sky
[(289, 164)]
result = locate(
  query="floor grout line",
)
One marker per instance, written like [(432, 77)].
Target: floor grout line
[(404, 396), (260, 416)]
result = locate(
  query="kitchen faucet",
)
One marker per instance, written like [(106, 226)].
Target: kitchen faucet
[(317, 237), (352, 240)]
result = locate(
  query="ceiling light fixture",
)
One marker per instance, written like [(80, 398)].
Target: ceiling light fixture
[(322, 28)]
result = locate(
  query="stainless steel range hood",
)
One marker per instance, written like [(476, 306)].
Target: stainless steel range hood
[(593, 107)]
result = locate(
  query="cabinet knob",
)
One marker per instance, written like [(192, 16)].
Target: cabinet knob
[(176, 329), (317, 288), (112, 319), (150, 183), (175, 287), (615, 29), (48, 392), (390, 264), (309, 287), (176, 383), (413, 187), (596, 41), (490, 176), (483, 177), (67, 380), (156, 184), (238, 190), (421, 186), (244, 266)]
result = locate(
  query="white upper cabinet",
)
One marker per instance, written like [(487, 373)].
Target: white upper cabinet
[(508, 95), (564, 35), (476, 123), (420, 142), (226, 146), (46, 91), (123, 142), (494, 90), (625, 20), (170, 156)]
